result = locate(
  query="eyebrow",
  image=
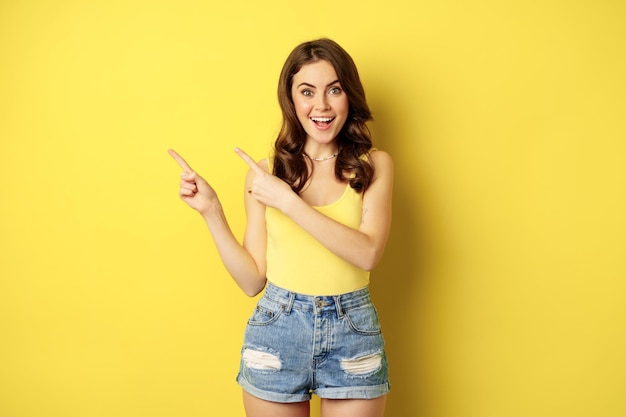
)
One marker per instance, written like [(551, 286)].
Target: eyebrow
[(312, 86)]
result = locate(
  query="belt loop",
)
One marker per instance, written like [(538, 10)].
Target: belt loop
[(292, 297), (338, 306)]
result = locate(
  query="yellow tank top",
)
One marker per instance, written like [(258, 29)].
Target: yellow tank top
[(299, 263)]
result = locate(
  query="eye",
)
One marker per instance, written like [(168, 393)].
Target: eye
[(334, 91), (306, 93)]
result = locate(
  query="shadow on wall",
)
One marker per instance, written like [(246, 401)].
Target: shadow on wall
[(400, 281)]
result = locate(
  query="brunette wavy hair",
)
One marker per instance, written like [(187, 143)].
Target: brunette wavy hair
[(354, 139)]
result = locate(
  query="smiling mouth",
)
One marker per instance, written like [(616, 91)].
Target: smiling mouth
[(322, 121)]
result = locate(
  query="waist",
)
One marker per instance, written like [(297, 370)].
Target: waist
[(318, 303), (317, 278)]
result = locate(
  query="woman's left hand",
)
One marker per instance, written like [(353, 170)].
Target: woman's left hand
[(265, 187)]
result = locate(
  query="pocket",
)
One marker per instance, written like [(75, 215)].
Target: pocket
[(363, 320), (266, 312)]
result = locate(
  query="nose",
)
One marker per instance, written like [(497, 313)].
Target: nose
[(322, 102)]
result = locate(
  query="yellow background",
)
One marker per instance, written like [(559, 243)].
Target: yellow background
[(502, 289)]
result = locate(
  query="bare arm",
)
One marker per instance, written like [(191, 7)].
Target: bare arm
[(362, 247), (243, 262)]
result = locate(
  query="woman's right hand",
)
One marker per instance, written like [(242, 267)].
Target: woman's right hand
[(194, 190)]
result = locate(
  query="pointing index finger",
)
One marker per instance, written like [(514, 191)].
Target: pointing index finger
[(183, 164), (251, 163)]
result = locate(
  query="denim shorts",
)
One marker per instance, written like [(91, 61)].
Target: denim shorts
[(297, 345)]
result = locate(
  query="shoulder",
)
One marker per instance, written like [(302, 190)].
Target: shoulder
[(380, 189), (383, 170), (381, 160), (252, 174), (265, 164)]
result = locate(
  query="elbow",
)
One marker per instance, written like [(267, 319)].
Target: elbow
[(368, 266), (254, 290), (251, 293), (369, 261)]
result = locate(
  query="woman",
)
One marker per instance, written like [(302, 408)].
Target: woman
[(318, 217)]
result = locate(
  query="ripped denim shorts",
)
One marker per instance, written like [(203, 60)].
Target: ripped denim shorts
[(297, 345)]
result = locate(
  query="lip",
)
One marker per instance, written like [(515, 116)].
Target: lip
[(322, 123)]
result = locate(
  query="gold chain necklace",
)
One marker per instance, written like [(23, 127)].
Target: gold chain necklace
[(325, 158)]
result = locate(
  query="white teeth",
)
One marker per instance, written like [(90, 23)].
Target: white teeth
[(322, 119)]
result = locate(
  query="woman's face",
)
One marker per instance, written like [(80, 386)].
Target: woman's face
[(320, 102)]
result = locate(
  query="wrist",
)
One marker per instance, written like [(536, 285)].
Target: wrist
[(291, 204), (212, 209)]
